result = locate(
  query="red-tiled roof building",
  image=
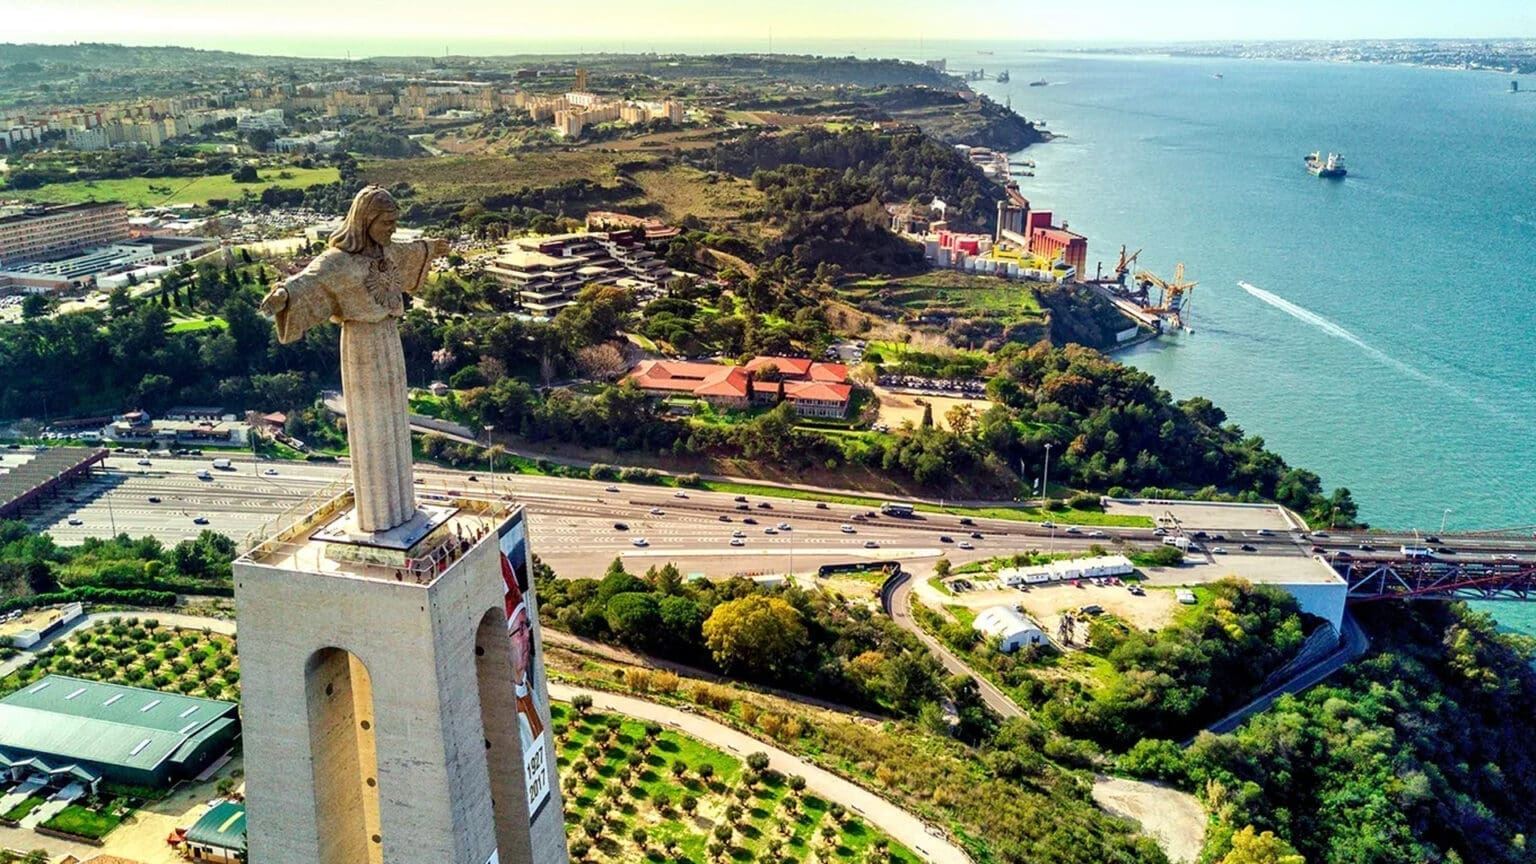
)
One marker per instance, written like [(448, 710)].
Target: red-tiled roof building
[(814, 389)]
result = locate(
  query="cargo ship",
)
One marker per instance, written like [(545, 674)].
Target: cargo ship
[(1331, 167), (1003, 77), (1040, 83)]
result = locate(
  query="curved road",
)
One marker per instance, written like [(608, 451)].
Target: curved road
[(904, 827), (898, 605)]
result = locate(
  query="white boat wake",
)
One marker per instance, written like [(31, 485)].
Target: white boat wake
[(1339, 332)]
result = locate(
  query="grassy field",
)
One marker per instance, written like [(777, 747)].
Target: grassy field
[(186, 324), (470, 178), (954, 293), (161, 191), (141, 653), (81, 822), (681, 191), (636, 791)]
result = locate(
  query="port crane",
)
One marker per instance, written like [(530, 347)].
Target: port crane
[(1123, 268), (1174, 303)]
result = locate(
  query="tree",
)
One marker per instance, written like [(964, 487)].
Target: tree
[(1249, 847), (941, 568), (633, 617), (927, 415), (119, 303), (35, 306), (755, 634), (961, 419), (246, 174), (603, 360)]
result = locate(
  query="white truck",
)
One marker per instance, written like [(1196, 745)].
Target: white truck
[(1181, 542), (223, 465)]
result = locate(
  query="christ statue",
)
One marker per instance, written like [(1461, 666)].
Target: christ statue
[(359, 282)]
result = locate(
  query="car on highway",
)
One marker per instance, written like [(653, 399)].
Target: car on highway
[(748, 520), (143, 461), (784, 526), (966, 544), (822, 505), (1445, 550), (272, 472), (154, 499), (1073, 529), (679, 494), (1097, 535), (1431, 539), (201, 520), (1049, 524), (870, 544), (741, 499), (641, 541), (1509, 557), (737, 541), (976, 535), (474, 479), (1248, 547), (764, 505), (1318, 550), (1366, 547), (74, 521), (1200, 535), (620, 526), (1342, 553), (1218, 537), (1218, 550), (770, 530), (743, 507), (724, 518), (966, 520), (945, 538), (738, 533), (846, 529), (1265, 532), (657, 511), (1159, 532), (1323, 534), (611, 489)]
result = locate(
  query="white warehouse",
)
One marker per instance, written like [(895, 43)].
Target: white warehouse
[(1012, 629), (1059, 571)]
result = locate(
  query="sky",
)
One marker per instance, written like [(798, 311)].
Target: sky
[(335, 27)]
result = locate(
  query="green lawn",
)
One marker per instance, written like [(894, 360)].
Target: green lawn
[(189, 325), (619, 777), (82, 822), (16, 813), (160, 191)]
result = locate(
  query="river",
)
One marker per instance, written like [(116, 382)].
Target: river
[(1375, 329)]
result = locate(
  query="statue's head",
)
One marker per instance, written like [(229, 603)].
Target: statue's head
[(370, 221)]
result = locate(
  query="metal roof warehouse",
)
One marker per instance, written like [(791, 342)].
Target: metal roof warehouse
[(92, 731)]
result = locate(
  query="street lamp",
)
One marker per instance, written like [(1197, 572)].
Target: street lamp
[(1045, 477), (490, 456), (1446, 512)]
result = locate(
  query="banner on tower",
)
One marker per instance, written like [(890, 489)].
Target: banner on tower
[(516, 574)]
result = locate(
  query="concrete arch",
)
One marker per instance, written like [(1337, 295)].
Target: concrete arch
[(343, 742), (498, 720)]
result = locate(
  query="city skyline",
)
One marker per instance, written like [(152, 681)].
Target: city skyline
[(481, 27)]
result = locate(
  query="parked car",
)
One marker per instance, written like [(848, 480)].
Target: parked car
[(1091, 609), (1137, 590)]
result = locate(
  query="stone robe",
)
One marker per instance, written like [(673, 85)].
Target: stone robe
[(362, 292)]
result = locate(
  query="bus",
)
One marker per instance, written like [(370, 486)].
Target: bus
[(894, 508)]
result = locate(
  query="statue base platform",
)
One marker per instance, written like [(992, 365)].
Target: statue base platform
[(395, 547)]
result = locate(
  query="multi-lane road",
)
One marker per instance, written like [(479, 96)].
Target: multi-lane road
[(574, 522)]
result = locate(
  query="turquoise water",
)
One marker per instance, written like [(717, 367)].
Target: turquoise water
[(1386, 339)]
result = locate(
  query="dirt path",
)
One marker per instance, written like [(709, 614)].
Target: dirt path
[(1174, 819)]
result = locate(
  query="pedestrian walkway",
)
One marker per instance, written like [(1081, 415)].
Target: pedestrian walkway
[(907, 829)]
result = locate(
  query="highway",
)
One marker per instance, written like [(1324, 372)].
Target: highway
[(573, 521)]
